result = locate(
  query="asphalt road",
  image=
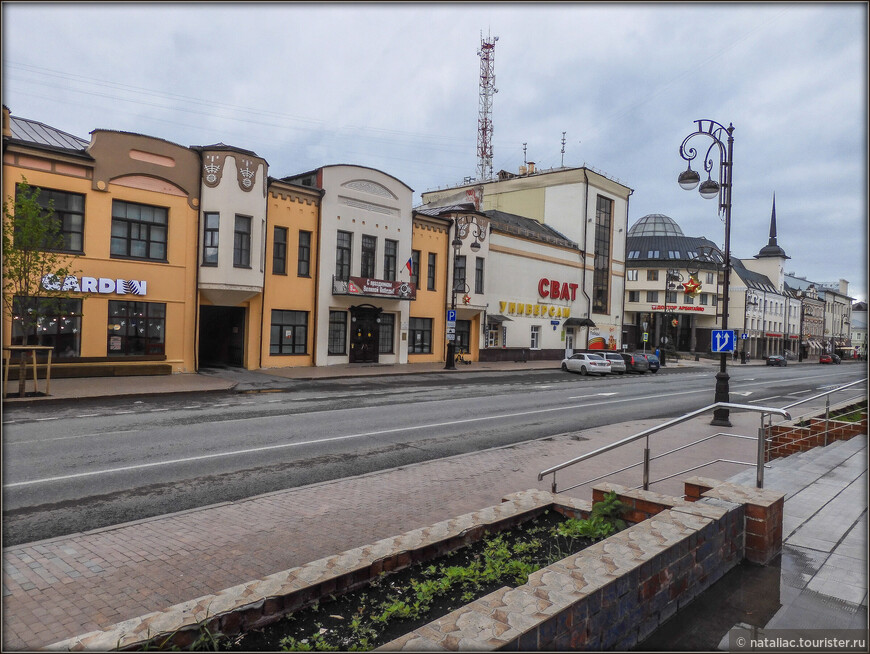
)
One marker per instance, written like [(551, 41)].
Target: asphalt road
[(88, 464)]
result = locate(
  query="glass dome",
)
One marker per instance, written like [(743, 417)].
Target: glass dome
[(655, 224)]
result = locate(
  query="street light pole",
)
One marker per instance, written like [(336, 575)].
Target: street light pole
[(709, 189), (465, 225), (450, 364)]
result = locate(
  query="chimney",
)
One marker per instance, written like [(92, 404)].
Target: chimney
[(844, 287), (522, 170), (531, 167), (7, 121)]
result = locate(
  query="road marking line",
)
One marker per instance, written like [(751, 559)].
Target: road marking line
[(66, 438), (158, 409), (57, 418), (282, 446)]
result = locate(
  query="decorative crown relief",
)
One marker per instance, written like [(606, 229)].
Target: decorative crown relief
[(373, 188), (213, 167), (247, 173)]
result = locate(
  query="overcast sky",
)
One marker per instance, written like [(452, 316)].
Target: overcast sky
[(396, 87)]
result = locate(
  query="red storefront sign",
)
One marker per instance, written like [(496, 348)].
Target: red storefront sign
[(556, 290)]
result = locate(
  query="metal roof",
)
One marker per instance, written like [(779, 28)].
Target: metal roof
[(648, 250), (753, 280), (32, 131), (509, 223), (655, 224)]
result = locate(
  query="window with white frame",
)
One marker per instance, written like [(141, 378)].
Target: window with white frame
[(535, 342)]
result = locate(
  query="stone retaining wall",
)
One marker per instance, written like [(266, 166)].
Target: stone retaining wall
[(789, 438), (611, 595), (617, 592)]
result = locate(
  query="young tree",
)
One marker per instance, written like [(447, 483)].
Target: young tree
[(33, 269)]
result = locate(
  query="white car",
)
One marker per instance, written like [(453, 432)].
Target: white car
[(617, 363), (586, 364)]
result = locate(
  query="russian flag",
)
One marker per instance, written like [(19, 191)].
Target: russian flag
[(410, 266)]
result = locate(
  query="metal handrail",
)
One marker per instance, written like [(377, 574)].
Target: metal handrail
[(827, 396), (828, 393), (676, 421)]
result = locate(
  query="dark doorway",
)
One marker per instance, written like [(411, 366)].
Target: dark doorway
[(221, 336), (364, 334)]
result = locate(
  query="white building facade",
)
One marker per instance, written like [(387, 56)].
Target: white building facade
[(585, 208), (363, 289)]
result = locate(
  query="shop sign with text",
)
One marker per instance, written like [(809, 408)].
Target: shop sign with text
[(95, 285), (526, 309), (674, 307)]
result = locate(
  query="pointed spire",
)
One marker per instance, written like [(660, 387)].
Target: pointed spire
[(772, 240), (772, 249)]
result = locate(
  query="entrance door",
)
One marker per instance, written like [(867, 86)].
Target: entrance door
[(364, 334), (569, 342), (221, 336)]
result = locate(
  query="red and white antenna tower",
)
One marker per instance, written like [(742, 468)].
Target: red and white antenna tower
[(484, 120)]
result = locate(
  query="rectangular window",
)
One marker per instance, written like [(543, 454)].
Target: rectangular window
[(210, 238), (139, 231), (69, 214), (337, 332), (459, 274), (415, 267), (58, 323), (463, 336), (303, 265), (289, 332), (387, 329), (601, 275), (709, 278), (704, 299), (136, 328), (478, 275), (535, 342), (652, 254), (671, 296), (391, 249), (342, 255), (634, 296), (242, 242), (688, 299), (420, 335), (367, 258), (492, 330), (279, 251), (652, 296), (631, 275), (652, 275), (430, 273)]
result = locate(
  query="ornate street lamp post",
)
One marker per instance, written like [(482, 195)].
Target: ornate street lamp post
[(463, 226), (710, 189)]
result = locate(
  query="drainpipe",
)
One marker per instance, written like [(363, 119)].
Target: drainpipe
[(196, 296), (583, 269), (316, 308), (265, 277), (622, 321)]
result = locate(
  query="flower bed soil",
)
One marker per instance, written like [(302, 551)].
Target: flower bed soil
[(399, 602)]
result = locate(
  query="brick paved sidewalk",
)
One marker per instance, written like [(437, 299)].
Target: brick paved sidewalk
[(67, 586)]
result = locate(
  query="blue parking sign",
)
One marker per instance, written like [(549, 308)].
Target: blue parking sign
[(451, 315), (722, 340)]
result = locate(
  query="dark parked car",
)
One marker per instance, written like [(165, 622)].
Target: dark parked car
[(652, 360), (825, 358), (777, 360), (634, 363)]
